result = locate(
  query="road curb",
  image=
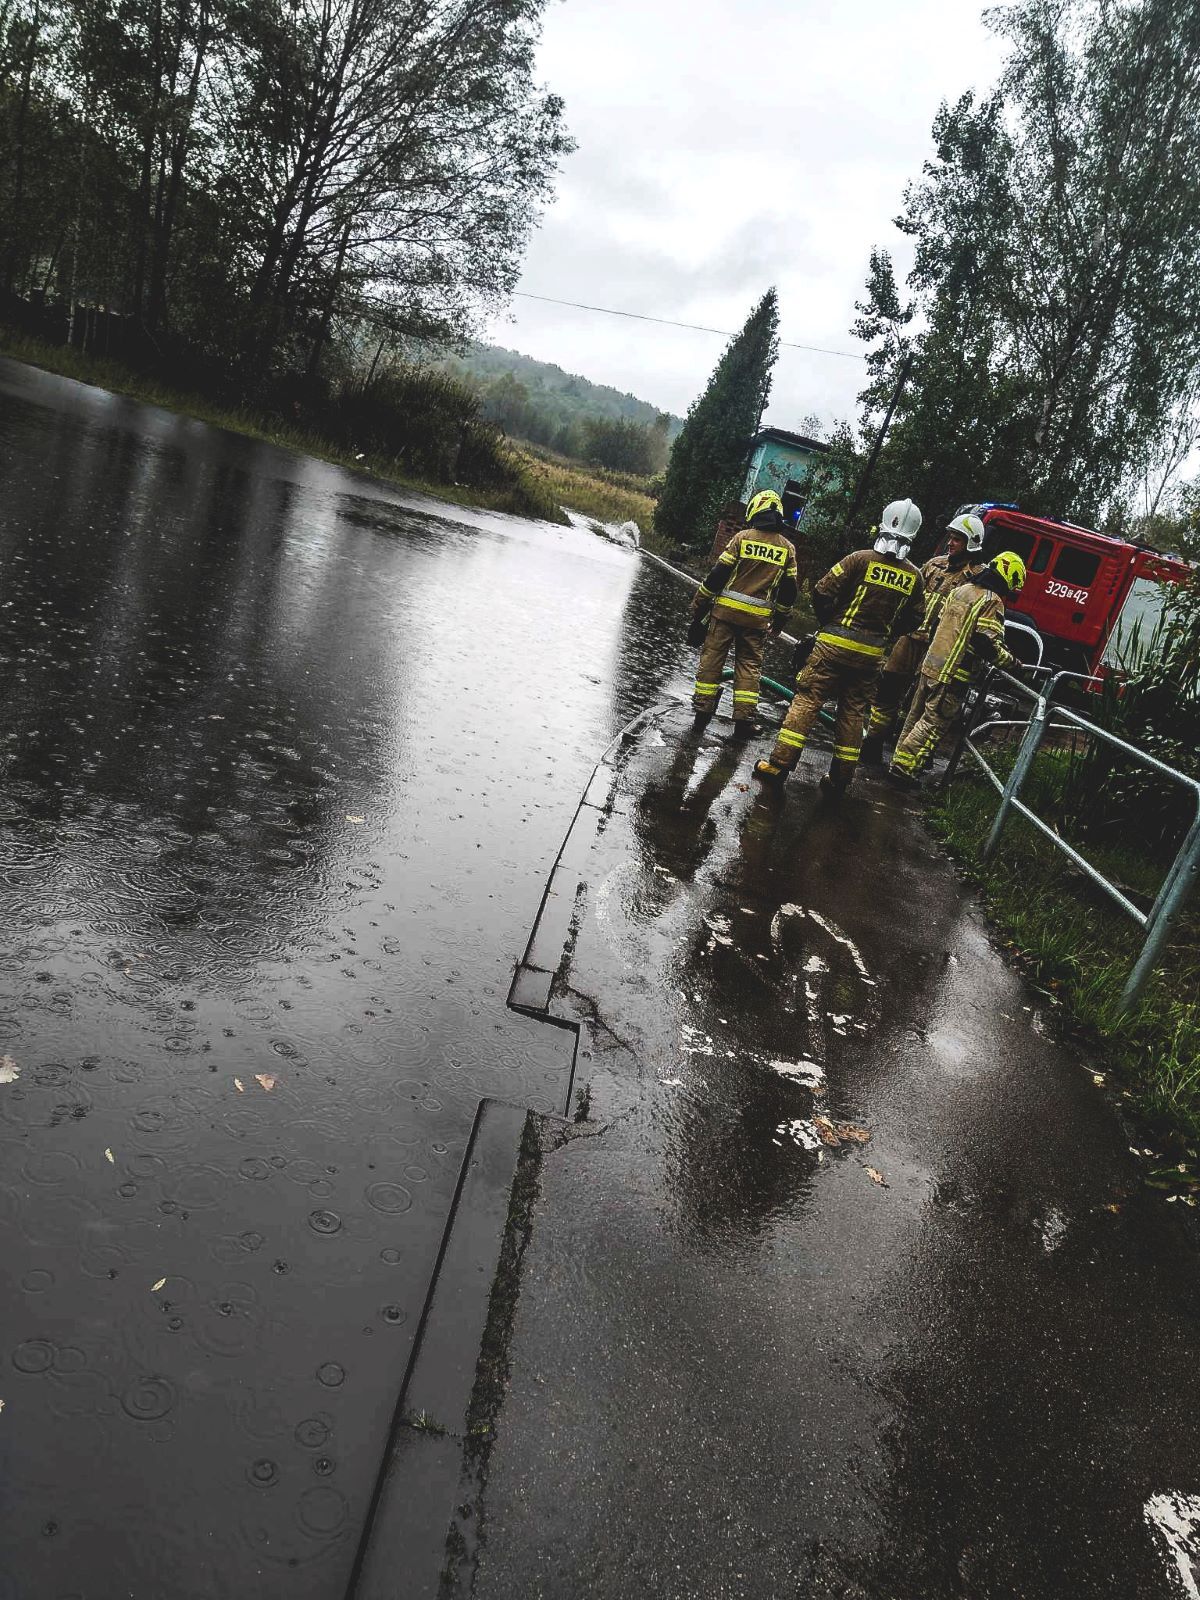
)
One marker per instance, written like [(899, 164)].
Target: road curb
[(404, 1551), (555, 926)]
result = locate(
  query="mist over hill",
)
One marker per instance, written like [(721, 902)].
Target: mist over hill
[(565, 412)]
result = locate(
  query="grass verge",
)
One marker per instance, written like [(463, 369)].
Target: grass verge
[(591, 491), (527, 496), (1078, 948)]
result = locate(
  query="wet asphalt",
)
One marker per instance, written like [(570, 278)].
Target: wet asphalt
[(285, 756), (842, 1283)]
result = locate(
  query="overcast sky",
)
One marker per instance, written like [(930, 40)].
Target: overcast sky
[(725, 145)]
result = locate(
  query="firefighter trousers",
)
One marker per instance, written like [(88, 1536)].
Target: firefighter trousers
[(747, 643), (895, 681), (845, 676), (934, 707)]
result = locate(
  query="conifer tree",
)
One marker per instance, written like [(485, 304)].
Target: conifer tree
[(709, 456)]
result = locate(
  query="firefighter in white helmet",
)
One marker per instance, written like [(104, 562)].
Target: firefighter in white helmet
[(962, 560), (969, 636), (860, 603)]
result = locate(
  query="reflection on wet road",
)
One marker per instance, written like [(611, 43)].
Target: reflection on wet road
[(847, 1289), (284, 757)]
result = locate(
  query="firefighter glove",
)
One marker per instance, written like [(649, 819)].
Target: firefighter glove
[(804, 648)]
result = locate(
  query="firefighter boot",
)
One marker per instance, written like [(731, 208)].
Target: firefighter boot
[(871, 754), (700, 721), (838, 779), (767, 773), (745, 729)]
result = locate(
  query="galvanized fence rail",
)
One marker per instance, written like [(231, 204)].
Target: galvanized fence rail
[(1181, 875)]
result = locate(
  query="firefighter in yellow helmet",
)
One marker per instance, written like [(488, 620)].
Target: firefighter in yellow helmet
[(969, 635), (752, 584), (940, 574), (860, 603)]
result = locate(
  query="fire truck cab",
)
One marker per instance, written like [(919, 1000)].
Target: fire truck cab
[(1091, 597)]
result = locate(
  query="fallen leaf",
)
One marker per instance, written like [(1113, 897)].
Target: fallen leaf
[(876, 1176), (349, 818), (108, 1156), (9, 1070), (1113, 1207), (853, 1135), (838, 1133), (267, 1081), (155, 1287), (239, 1086)]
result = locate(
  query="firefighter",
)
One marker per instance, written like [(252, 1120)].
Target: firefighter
[(963, 559), (859, 604), (749, 590), (970, 634)]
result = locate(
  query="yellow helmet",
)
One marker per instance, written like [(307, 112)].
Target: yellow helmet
[(1011, 568), (764, 500)]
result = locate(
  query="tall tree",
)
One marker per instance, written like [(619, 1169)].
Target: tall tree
[(708, 458), (251, 181), (396, 149), (1056, 276)]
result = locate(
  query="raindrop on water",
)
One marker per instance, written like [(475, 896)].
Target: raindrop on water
[(312, 1432)]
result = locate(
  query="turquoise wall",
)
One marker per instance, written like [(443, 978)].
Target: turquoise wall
[(774, 463)]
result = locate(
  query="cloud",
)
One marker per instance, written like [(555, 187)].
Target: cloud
[(723, 147)]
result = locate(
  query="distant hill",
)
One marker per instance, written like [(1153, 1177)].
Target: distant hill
[(570, 397), (539, 402)]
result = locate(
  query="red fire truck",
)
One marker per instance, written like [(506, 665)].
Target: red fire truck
[(1088, 596)]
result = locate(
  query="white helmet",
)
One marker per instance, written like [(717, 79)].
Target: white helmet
[(898, 527), (971, 529)]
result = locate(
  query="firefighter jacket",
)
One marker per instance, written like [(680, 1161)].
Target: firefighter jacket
[(754, 574), (970, 632), (864, 599), (940, 577)]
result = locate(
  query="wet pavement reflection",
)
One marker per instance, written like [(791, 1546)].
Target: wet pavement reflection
[(284, 758), (846, 1286)]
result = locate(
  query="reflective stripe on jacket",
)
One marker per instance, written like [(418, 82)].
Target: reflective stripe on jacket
[(866, 598), (750, 570), (971, 629), (940, 578)]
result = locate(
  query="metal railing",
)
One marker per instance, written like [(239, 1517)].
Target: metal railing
[(1182, 874)]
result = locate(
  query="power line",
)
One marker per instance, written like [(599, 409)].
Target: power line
[(695, 327)]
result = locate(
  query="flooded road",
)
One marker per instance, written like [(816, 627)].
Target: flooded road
[(285, 756), (847, 1287)]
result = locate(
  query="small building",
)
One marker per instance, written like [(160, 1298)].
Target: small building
[(786, 463)]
